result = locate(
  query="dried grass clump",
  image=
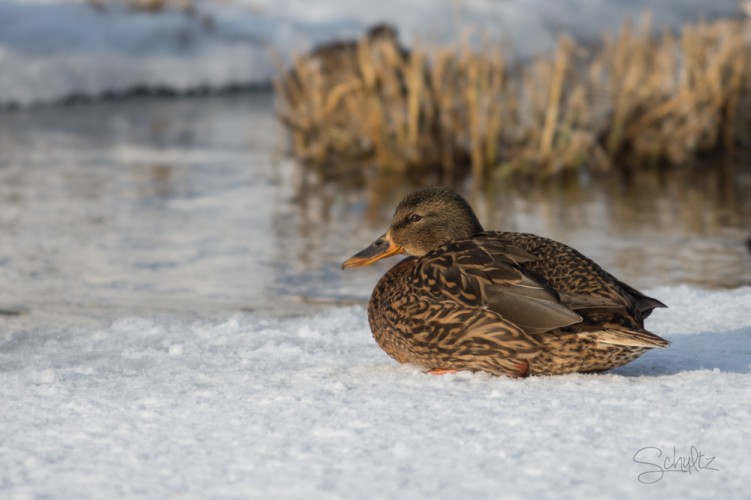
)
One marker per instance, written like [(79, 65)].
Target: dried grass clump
[(365, 101), (678, 97), (634, 99)]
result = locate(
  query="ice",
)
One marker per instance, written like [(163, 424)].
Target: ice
[(52, 49), (251, 406)]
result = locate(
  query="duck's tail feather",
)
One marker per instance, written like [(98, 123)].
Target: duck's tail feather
[(644, 304), (627, 337)]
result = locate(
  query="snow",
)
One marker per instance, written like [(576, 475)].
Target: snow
[(249, 406), (53, 49)]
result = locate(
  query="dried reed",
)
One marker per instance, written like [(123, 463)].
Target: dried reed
[(633, 99)]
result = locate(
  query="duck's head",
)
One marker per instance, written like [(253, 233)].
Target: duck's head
[(424, 220)]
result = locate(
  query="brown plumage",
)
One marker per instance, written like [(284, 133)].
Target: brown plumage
[(505, 303)]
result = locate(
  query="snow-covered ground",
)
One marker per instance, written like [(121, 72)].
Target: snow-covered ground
[(52, 49), (249, 407)]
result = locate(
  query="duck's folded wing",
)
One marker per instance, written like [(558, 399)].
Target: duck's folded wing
[(487, 275)]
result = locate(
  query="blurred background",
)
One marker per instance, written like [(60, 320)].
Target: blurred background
[(204, 157)]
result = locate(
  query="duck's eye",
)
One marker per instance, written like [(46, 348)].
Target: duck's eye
[(414, 217)]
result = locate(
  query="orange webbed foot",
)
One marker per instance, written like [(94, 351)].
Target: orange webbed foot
[(439, 371)]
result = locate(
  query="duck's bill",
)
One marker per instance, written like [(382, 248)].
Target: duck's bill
[(380, 249)]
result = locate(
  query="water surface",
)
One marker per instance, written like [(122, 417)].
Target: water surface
[(186, 207)]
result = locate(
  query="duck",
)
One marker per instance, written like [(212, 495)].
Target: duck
[(505, 303)]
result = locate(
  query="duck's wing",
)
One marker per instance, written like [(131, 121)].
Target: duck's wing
[(487, 274)]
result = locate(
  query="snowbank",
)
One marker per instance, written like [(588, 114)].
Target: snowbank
[(310, 407), (52, 49)]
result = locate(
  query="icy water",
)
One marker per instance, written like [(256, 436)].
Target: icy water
[(185, 207)]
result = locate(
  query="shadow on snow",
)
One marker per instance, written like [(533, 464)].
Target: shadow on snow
[(727, 351)]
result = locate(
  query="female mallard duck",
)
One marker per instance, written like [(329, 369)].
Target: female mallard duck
[(505, 303)]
